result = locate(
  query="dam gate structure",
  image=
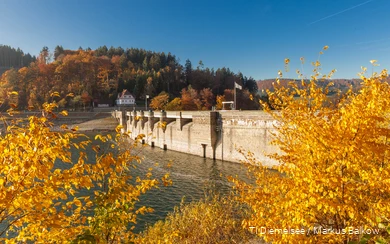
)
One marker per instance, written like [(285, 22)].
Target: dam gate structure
[(212, 134)]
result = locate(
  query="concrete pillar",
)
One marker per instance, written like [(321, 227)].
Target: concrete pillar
[(163, 119), (151, 120), (179, 121), (135, 119), (204, 150), (128, 121), (131, 117), (142, 118), (121, 115), (214, 130)]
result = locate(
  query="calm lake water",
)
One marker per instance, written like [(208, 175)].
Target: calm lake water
[(192, 177)]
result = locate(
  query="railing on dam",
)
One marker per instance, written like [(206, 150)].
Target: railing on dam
[(214, 134)]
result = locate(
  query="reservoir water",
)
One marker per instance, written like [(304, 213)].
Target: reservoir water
[(192, 177)]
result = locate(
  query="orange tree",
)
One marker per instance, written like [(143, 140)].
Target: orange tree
[(333, 177), (51, 193)]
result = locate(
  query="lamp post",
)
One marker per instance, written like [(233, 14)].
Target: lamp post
[(236, 86), (146, 102)]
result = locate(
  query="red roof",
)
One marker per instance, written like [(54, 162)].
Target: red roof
[(123, 93)]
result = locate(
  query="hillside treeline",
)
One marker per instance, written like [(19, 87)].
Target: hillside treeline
[(11, 57), (100, 74), (338, 84)]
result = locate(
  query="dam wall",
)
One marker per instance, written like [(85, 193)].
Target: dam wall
[(213, 134)]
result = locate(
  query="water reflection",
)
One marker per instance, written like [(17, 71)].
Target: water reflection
[(192, 177)]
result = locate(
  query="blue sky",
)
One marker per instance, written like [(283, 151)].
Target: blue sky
[(253, 37)]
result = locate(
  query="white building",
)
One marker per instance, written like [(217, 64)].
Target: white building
[(125, 98)]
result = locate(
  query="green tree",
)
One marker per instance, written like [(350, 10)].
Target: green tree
[(58, 51), (155, 62), (188, 71)]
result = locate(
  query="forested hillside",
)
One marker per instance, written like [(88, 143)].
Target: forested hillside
[(102, 73), (93, 75)]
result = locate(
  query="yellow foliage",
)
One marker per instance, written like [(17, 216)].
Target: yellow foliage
[(47, 190), (334, 167), (162, 125), (64, 113), (219, 100), (212, 220)]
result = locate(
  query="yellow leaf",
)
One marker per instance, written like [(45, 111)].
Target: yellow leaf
[(98, 136), (96, 148), (54, 94), (118, 128), (64, 113), (77, 202)]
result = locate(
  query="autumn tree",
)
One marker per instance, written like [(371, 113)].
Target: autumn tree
[(159, 102), (103, 72), (86, 99), (44, 56), (219, 100), (149, 89), (332, 176), (174, 105), (207, 98), (52, 193), (215, 219), (190, 99)]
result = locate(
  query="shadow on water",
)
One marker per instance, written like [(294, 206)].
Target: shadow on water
[(192, 178)]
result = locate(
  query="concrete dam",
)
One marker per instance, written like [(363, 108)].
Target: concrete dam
[(213, 134)]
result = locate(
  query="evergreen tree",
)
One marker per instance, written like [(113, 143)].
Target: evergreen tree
[(58, 51), (188, 71)]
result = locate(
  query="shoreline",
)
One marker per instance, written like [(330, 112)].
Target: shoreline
[(107, 124), (100, 123)]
